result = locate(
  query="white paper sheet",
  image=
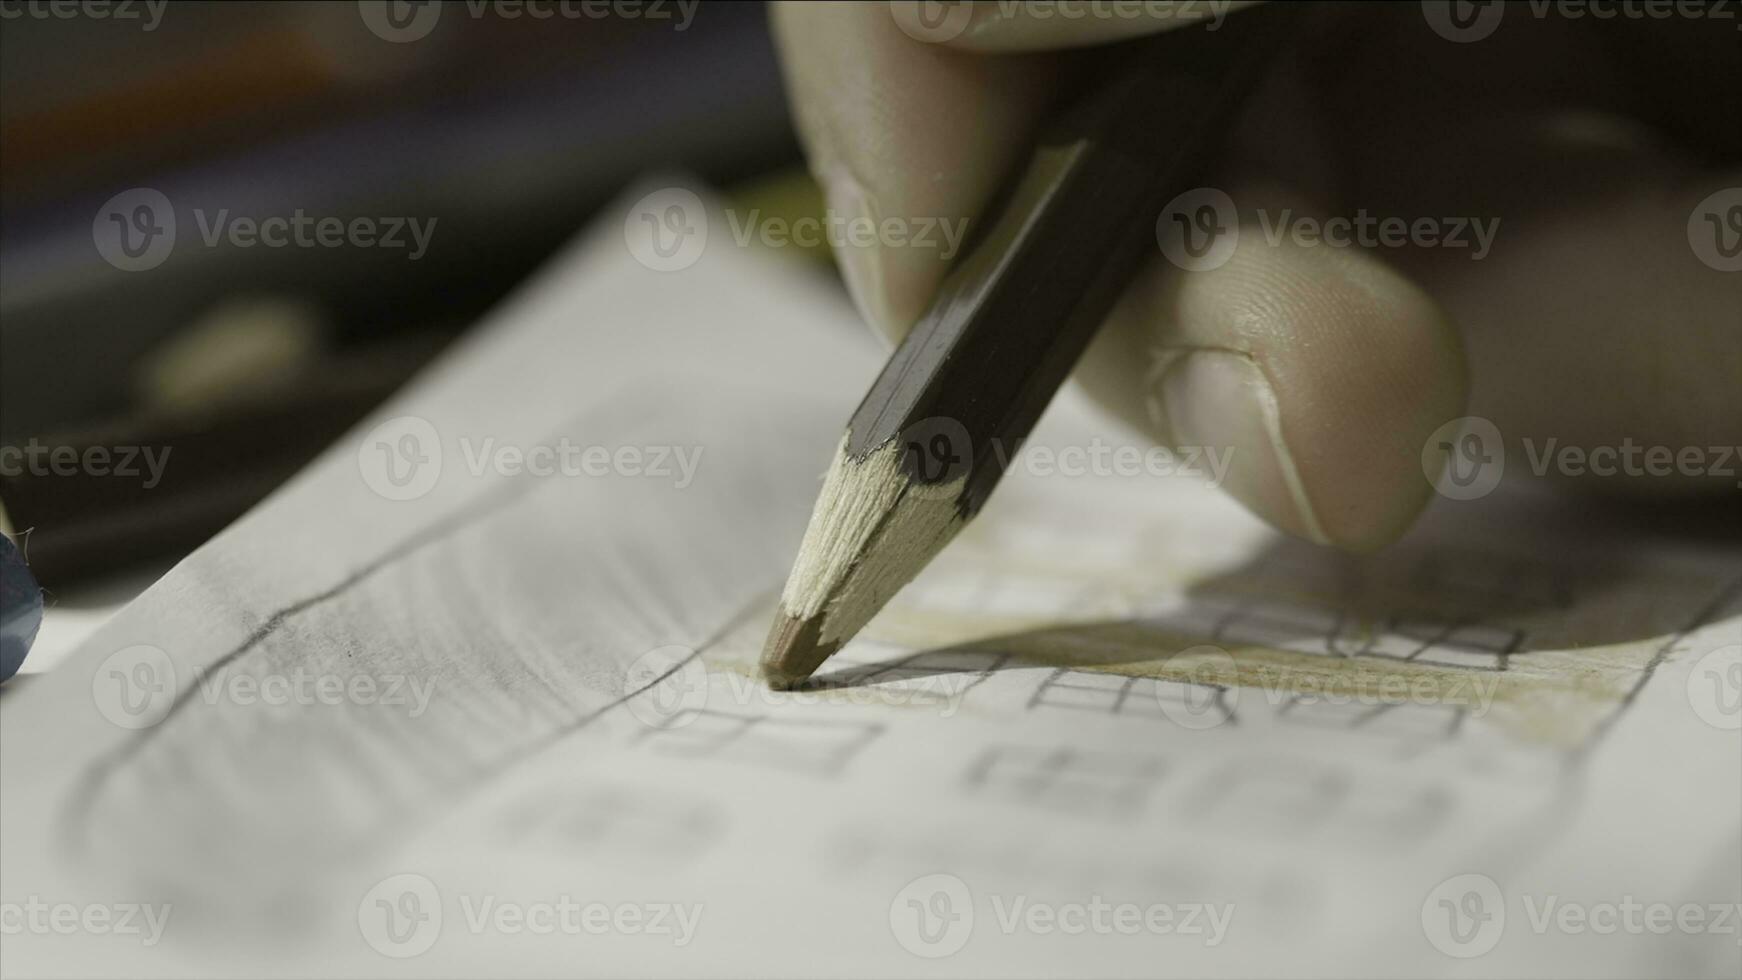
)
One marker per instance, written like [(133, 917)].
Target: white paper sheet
[(509, 724)]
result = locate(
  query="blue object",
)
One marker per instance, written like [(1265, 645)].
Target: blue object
[(20, 609)]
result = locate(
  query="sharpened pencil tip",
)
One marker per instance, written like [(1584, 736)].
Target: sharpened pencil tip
[(794, 651)]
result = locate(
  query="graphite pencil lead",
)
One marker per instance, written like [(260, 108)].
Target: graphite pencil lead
[(873, 529)]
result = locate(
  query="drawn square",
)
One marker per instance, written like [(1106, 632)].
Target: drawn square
[(1190, 701), (1462, 645), (1116, 694)]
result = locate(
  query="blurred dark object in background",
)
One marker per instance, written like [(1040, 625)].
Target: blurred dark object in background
[(20, 609), (493, 131)]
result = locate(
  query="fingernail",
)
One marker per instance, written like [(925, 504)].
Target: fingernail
[(861, 264), (1220, 402)]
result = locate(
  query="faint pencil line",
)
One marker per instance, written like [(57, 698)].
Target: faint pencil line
[(1705, 615)]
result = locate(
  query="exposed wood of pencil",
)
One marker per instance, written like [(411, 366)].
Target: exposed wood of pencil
[(938, 427)]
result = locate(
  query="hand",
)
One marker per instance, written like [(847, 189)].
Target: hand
[(1540, 189)]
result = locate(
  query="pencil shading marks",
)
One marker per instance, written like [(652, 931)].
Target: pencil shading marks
[(521, 652), (1299, 626), (501, 497), (817, 747), (1131, 695), (1452, 641), (1064, 778)]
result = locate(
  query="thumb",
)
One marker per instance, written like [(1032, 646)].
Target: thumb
[(1316, 372)]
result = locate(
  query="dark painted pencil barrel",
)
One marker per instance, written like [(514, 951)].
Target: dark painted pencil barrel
[(1011, 321)]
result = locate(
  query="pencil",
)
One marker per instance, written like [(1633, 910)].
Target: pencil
[(932, 438)]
